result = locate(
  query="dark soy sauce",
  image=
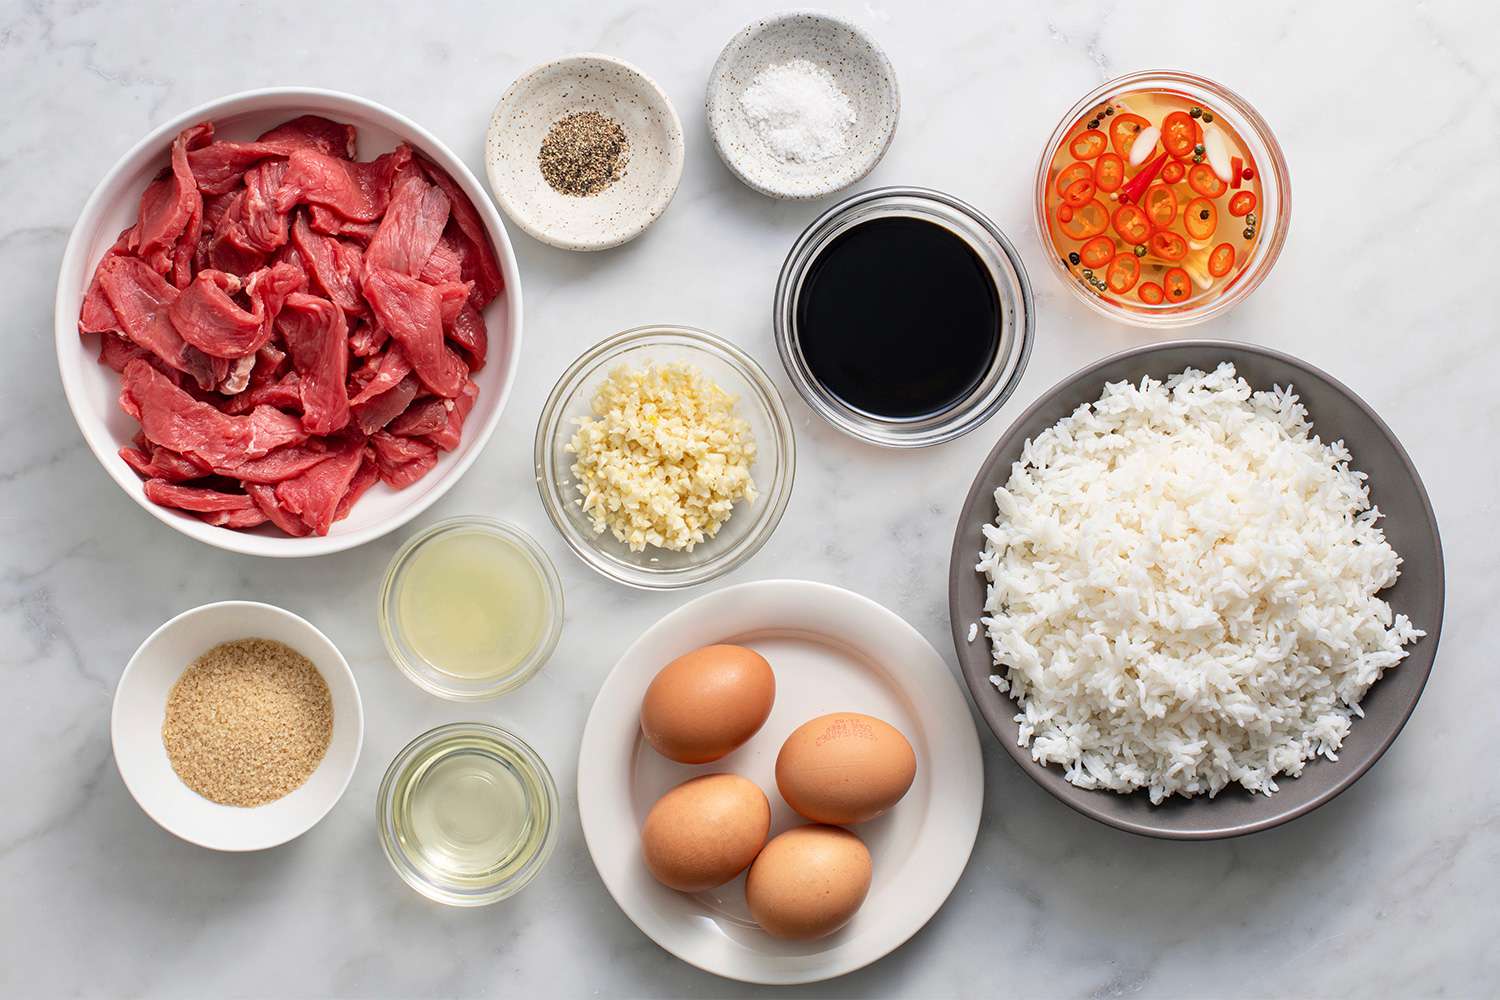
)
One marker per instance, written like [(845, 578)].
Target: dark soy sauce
[(898, 317)]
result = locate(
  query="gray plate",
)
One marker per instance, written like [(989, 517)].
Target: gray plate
[(1409, 525)]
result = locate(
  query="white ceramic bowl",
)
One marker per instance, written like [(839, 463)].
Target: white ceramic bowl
[(554, 90), (140, 708), (93, 390), (858, 65)]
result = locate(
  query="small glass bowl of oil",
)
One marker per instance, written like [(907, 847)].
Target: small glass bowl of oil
[(471, 608), (468, 814)]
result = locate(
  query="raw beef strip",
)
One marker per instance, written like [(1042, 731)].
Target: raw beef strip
[(330, 223), (448, 436), (161, 463), (470, 334), (389, 369), (367, 339), (333, 266), (168, 205), (265, 226), (238, 377), (218, 166), (237, 519), (412, 312), (411, 227), (314, 496), (357, 191), (96, 316), (208, 318), (479, 264), (425, 416), (444, 265), (141, 300), (116, 352), (265, 500), (229, 248), (402, 461), (366, 476), (166, 494), (318, 341), (171, 418), (279, 465), (377, 411)]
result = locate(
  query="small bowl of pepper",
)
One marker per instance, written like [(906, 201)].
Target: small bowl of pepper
[(1162, 199), (584, 152)]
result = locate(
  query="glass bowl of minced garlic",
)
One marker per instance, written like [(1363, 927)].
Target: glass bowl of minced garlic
[(665, 457)]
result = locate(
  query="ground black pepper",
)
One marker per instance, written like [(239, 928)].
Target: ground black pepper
[(583, 154)]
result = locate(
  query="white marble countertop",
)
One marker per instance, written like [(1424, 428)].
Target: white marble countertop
[(1388, 117)]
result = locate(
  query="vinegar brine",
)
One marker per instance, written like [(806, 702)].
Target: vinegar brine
[(1153, 199)]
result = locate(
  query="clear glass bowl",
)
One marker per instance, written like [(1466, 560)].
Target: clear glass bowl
[(515, 862), (1273, 212), (430, 676), (750, 524), (1017, 315)]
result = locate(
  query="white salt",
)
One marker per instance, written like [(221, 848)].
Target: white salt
[(799, 111)]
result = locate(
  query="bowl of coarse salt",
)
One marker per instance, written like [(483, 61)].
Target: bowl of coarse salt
[(802, 104)]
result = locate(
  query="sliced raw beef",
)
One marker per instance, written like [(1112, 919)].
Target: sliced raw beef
[(330, 223), (141, 300), (173, 419), (219, 167), (445, 263), (402, 461), (318, 341), (161, 463), (159, 491), (168, 205), (333, 265), (209, 319), (412, 311), (375, 412), (265, 500), (367, 339), (314, 496), (450, 434), (385, 371), (357, 191), (471, 335), (412, 226), (367, 475), (230, 248), (96, 316), (280, 465), (265, 225), (425, 416), (237, 519), (478, 259)]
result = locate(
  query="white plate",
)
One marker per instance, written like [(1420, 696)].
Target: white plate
[(832, 650)]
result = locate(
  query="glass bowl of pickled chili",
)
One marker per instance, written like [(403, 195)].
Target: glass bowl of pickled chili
[(1162, 199)]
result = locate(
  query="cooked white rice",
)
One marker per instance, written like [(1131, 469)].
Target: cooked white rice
[(1182, 589)]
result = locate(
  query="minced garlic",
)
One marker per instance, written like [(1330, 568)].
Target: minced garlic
[(663, 459)]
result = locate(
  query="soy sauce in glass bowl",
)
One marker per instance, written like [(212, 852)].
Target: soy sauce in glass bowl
[(904, 317)]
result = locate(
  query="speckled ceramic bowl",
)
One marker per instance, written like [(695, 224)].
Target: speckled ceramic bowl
[(857, 64), (551, 92)]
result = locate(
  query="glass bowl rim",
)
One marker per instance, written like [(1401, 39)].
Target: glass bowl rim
[(396, 646), (441, 892), (1274, 243), (773, 496)]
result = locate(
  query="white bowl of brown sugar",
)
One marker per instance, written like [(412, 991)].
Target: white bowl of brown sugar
[(237, 726)]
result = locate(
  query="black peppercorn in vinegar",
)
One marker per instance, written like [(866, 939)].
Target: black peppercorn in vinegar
[(899, 318)]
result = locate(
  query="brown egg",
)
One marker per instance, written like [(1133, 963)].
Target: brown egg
[(705, 831), (844, 768), (707, 703), (808, 882)]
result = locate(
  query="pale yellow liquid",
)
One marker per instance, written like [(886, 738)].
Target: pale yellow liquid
[(471, 604)]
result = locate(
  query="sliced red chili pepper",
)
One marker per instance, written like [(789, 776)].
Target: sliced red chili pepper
[(1088, 220), (1221, 260), (1242, 204), (1200, 218), (1087, 145), (1109, 172), (1179, 133), (1072, 172), (1097, 251), (1124, 271), (1160, 205), (1177, 285), (1235, 166), (1151, 293), (1123, 128), (1136, 186), (1173, 172), (1132, 225), (1202, 179), (1080, 192), (1168, 245)]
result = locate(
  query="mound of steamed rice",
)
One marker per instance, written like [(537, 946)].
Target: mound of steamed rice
[(1183, 586)]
